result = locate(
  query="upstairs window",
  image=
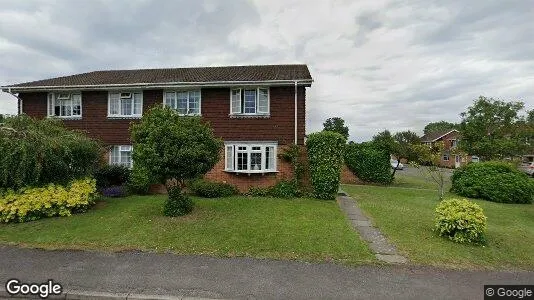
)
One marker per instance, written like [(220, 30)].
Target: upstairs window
[(121, 155), (125, 104), (249, 101), (184, 102), (65, 105), (250, 158)]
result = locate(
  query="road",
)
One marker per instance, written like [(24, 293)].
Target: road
[(242, 278)]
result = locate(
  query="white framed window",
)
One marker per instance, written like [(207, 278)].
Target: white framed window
[(250, 157), (446, 157), (125, 104), (184, 102), (454, 143), (64, 105), (121, 155), (249, 101)]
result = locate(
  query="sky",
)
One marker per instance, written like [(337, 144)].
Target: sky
[(378, 64)]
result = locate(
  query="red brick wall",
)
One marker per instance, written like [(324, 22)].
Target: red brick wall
[(215, 109)]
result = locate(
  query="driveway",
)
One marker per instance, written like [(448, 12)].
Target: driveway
[(245, 278)]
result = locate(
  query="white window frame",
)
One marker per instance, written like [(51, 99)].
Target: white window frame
[(446, 155), (122, 95), (241, 110), (188, 101), (53, 97), (122, 148), (231, 148)]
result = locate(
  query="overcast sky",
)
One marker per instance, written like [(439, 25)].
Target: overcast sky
[(376, 63)]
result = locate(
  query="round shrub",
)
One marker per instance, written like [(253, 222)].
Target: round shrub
[(139, 181), (177, 203), (256, 191), (210, 189), (325, 154), (368, 163), (461, 221), (111, 175), (493, 181), (284, 189)]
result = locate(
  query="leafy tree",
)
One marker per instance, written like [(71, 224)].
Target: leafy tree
[(491, 129), (173, 148), (336, 124), (439, 126), (403, 147), (428, 161), (384, 140)]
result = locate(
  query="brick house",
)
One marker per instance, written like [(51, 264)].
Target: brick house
[(450, 138), (256, 110)]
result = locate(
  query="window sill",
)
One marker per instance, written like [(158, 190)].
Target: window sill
[(124, 117), (249, 116), (66, 117), (262, 172)]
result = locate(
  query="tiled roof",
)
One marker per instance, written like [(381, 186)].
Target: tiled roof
[(178, 75), (433, 136)]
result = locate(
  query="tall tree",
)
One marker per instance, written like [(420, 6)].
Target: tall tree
[(384, 140), (490, 129), (336, 124), (439, 126)]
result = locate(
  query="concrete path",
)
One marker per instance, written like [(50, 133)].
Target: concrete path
[(241, 278), (383, 250)]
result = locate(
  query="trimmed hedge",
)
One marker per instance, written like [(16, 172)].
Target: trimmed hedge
[(111, 175), (461, 221), (368, 163), (325, 154), (210, 189), (53, 200), (177, 203), (284, 189), (493, 181)]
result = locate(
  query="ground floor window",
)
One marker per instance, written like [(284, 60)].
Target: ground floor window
[(250, 157), (121, 155), (446, 157)]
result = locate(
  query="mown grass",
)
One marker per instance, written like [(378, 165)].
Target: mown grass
[(406, 217), (302, 229)]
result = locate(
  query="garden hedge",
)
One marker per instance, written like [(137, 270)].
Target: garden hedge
[(325, 154), (493, 181), (39, 152), (368, 163)]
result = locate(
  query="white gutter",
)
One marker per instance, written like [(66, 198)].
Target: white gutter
[(296, 138), (157, 85)]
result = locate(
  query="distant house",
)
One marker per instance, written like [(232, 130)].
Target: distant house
[(450, 139)]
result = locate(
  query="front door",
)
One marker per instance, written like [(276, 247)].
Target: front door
[(457, 161)]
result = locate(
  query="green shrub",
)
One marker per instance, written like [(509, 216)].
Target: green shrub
[(210, 189), (284, 189), (325, 154), (53, 200), (177, 203), (493, 181), (39, 152), (139, 181), (111, 175), (256, 191), (368, 163), (461, 221)]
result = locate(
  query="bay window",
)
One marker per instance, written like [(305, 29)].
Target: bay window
[(125, 104), (250, 157), (184, 102), (121, 155), (249, 101), (65, 105)]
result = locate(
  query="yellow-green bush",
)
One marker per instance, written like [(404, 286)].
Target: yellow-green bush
[(53, 200), (461, 220)]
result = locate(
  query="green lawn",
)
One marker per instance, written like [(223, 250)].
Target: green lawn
[(302, 229), (405, 216), (412, 177)]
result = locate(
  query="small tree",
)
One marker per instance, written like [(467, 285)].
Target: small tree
[(430, 156), (173, 147), (336, 124)]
